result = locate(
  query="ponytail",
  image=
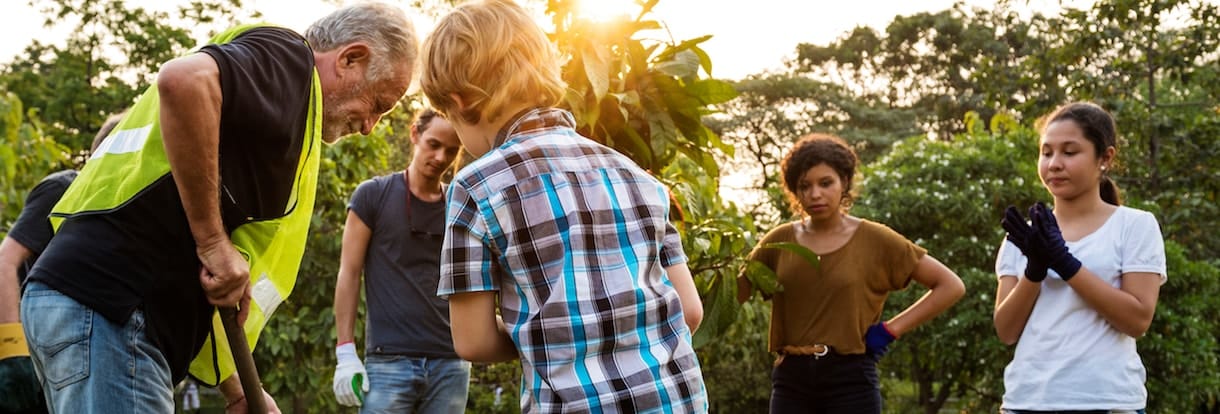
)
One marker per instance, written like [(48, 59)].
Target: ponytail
[(1109, 191)]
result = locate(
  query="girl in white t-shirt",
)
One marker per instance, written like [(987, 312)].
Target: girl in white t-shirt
[(1077, 285)]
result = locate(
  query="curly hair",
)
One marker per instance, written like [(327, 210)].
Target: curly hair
[(812, 150)]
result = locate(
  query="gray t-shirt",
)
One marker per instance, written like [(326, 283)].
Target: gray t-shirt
[(401, 270)]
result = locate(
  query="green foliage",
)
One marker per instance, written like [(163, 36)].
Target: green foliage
[(643, 98), (939, 66), (1150, 62), (111, 53), (715, 237), (947, 196), (1182, 346), (494, 389), (26, 156), (736, 368)]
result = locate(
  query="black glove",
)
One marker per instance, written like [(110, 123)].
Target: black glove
[(1054, 249), (1023, 236)]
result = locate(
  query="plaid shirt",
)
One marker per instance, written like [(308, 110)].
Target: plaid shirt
[(575, 237)]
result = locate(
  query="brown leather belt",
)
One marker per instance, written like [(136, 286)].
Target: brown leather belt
[(815, 350)]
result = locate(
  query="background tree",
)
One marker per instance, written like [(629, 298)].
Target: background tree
[(111, 53), (939, 66), (26, 156)]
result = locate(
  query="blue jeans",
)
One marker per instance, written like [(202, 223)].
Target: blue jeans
[(402, 384), (88, 364)]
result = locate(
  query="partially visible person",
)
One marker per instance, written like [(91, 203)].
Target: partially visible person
[(20, 248), (826, 321), (208, 180), (392, 239), (570, 239), (1077, 283)]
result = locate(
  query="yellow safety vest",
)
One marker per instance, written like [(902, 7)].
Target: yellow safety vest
[(132, 158)]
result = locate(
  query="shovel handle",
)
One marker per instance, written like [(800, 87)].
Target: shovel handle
[(246, 371)]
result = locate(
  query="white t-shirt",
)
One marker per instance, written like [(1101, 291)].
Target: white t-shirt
[(1068, 356)]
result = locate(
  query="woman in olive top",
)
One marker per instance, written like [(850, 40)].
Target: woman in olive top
[(826, 321)]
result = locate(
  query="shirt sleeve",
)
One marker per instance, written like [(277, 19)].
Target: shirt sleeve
[(364, 202), (33, 227), (1143, 247), (671, 247), (468, 263), (767, 256), (1009, 260), (904, 257)]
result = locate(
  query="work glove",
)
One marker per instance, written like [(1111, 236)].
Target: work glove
[(1022, 235), (877, 339), (350, 384), (18, 383), (1054, 249)]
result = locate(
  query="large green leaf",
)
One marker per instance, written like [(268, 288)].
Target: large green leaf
[(812, 258), (720, 310)]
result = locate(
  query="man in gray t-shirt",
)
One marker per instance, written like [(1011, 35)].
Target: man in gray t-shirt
[(393, 236)]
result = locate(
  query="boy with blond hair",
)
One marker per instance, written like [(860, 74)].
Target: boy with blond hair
[(570, 237)]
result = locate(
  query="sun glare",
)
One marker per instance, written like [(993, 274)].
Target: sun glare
[(606, 10)]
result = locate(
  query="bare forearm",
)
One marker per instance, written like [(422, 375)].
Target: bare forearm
[(491, 346), (9, 296), (347, 297), (356, 236), (230, 388), (933, 303), (1013, 308), (688, 294), (12, 255), (479, 335), (504, 349), (189, 90), (1123, 310)]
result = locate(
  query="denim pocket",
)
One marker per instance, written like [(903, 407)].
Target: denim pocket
[(61, 336)]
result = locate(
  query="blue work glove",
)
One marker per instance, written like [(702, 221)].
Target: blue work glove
[(877, 339), (349, 383), (1054, 248), (1022, 235)]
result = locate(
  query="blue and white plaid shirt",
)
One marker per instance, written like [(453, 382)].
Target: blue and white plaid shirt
[(575, 236)]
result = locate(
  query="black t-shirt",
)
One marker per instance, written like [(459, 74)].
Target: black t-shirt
[(33, 229), (142, 255), (402, 269)]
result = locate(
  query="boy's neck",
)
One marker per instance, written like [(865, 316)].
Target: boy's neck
[(482, 136)]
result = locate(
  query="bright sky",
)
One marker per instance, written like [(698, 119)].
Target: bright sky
[(749, 36)]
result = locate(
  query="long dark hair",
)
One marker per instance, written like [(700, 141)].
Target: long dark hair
[(1099, 127)]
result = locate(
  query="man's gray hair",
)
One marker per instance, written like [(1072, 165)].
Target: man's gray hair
[(385, 28)]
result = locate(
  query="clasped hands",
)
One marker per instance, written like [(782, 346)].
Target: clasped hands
[(1041, 242)]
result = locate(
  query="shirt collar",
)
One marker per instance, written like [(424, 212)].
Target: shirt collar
[(532, 119)]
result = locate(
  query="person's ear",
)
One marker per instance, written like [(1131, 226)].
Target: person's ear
[(353, 56), (1107, 157), (458, 102)]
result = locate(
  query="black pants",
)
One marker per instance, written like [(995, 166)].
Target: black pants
[(832, 384)]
